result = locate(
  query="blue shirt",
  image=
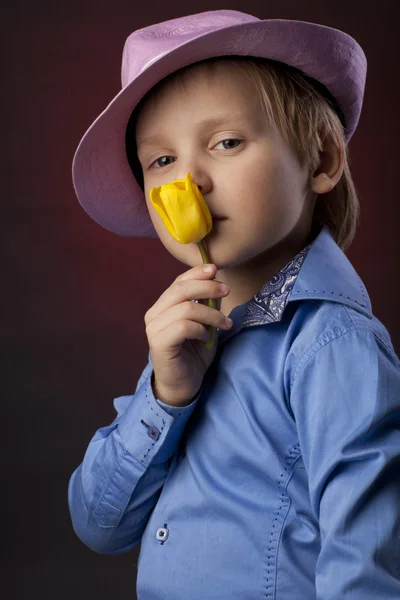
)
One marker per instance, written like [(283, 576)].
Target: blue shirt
[(281, 480)]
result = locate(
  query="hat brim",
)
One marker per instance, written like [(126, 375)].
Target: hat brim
[(103, 180)]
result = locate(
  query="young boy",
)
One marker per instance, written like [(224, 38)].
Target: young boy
[(269, 467)]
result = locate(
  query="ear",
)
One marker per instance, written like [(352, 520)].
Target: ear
[(330, 168)]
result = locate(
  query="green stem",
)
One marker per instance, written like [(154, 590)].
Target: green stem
[(211, 302)]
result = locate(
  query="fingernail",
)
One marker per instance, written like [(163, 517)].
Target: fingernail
[(208, 269)]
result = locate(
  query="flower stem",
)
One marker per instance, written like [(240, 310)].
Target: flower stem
[(211, 302)]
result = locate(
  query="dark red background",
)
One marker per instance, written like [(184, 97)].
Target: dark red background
[(74, 295)]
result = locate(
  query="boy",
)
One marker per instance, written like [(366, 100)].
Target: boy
[(269, 467)]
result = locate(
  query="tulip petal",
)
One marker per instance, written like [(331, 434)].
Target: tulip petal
[(183, 210), (202, 203)]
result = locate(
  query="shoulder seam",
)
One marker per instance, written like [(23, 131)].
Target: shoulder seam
[(374, 333), (330, 335)]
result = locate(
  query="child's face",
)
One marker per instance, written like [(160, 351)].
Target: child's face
[(254, 180)]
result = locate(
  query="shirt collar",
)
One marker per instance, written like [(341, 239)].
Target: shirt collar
[(321, 271)]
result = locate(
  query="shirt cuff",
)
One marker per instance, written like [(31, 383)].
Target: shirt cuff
[(150, 429)]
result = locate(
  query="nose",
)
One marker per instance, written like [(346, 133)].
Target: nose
[(199, 176)]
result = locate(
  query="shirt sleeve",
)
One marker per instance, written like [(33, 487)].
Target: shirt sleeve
[(113, 491), (346, 402)]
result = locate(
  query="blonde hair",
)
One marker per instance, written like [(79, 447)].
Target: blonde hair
[(305, 115)]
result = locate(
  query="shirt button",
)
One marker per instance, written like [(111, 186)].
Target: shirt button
[(162, 533), (153, 433)]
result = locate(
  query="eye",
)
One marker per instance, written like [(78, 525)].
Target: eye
[(157, 164), (162, 165), (229, 140)]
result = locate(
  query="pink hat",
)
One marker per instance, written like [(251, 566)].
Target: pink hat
[(103, 179)]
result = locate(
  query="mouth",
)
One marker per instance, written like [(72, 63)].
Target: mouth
[(217, 217), (217, 225)]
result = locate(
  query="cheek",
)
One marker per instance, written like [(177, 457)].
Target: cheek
[(263, 169), (265, 186), (278, 180)]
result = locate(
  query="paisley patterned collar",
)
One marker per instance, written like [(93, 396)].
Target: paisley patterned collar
[(268, 305)]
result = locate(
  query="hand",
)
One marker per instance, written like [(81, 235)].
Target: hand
[(176, 332)]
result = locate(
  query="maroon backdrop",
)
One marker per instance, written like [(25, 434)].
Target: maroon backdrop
[(74, 295)]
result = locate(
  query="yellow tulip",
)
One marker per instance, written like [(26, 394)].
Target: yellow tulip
[(187, 218), (183, 210)]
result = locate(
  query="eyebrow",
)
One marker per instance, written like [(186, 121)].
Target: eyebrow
[(213, 121)]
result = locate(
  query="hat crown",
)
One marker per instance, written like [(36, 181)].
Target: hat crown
[(146, 45)]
